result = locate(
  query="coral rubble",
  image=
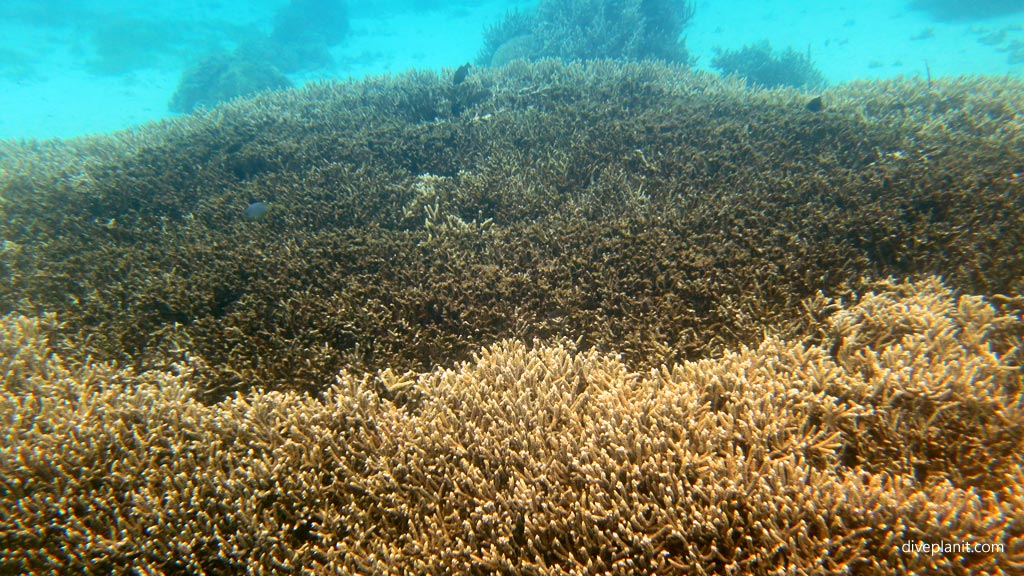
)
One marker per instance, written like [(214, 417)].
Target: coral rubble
[(903, 427)]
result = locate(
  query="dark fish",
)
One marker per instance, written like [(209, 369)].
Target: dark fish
[(815, 105), (460, 75), (256, 210)]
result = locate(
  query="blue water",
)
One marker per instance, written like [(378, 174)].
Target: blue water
[(95, 66)]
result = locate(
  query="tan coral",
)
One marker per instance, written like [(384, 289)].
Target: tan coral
[(536, 460)]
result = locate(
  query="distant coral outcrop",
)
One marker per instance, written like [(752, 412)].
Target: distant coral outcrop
[(759, 65), (973, 10), (303, 32), (221, 77), (589, 29)]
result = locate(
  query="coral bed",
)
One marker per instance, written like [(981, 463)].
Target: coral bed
[(578, 316), (638, 208), (782, 459)]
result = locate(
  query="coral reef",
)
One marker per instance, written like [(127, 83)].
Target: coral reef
[(904, 427), (221, 77), (304, 31), (589, 29), (760, 66), (639, 208)]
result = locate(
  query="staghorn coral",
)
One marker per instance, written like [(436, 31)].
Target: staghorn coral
[(933, 362), (641, 208), (540, 460)]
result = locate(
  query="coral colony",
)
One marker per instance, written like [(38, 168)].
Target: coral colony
[(544, 315)]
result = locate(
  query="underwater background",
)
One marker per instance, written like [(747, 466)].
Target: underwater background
[(563, 287), (96, 66)]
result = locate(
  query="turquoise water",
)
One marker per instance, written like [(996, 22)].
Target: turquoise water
[(95, 66)]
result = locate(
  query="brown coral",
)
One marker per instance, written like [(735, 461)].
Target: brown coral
[(783, 458), (640, 208)]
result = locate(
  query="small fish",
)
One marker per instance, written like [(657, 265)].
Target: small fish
[(460, 74), (816, 104), (256, 210)]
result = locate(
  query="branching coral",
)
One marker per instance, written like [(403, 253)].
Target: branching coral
[(541, 461), (637, 207)]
